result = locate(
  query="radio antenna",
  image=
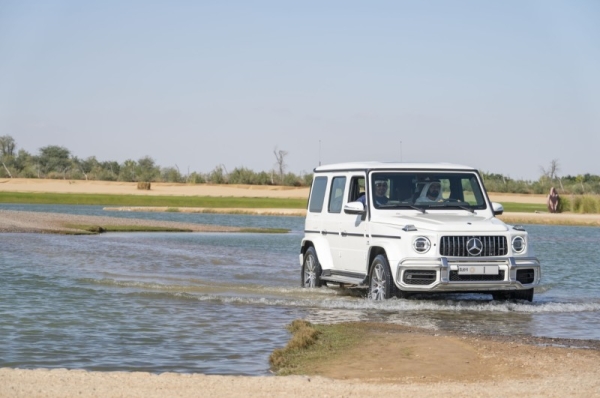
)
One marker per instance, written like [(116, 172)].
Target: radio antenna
[(400, 151)]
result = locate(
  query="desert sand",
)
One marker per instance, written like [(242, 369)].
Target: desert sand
[(393, 361)]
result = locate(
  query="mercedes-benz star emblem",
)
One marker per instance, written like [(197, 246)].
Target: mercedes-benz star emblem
[(474, 246)]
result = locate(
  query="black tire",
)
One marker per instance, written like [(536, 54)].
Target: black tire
[(381, 284), (311, 270)]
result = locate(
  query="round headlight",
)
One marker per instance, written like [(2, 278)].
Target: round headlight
[(421, 244), (518, 244)]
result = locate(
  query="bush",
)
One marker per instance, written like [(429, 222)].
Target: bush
[(586, 204), (218, 175), (242, 176), (196, 178), (564, 204), (589, 204)]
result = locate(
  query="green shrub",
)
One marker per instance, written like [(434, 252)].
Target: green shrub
[(589, 204), (564, 204), (586, 204)]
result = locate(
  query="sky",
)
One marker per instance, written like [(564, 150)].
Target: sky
[(503, 86)]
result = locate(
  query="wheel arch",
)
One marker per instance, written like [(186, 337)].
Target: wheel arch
[(305, 245), (374, 252)]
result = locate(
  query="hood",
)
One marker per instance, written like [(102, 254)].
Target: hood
[(436, 222)]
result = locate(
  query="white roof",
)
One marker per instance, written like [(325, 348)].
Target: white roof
[(391, 165)]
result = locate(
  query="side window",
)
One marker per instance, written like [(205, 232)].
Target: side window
[(317, 195), (336, 197), (357, 188)]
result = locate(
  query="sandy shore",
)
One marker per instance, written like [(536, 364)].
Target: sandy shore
[(29, 221), (400, 362), (394, 360)]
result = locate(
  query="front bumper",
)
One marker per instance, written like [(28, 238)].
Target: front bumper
[(441, 274)]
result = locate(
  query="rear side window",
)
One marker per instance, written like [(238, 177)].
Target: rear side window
[(336, 198), (317, 195)]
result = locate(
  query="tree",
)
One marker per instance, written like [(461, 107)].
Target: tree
[(86, 166), (171, 174), (127, 171), (280, 164), (7, 146), (53, 158), (552, 172), (218, 175), (7, 149), (147, 170)]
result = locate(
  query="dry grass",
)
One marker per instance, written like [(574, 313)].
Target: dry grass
[(304, 335), (315, 344)]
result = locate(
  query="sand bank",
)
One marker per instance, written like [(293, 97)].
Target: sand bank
[(29, 221), (399, 363)]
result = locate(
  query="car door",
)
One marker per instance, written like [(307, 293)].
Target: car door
[(353, 241), (331, 221)]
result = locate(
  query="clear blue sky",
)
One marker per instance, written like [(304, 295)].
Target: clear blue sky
[(504, 86)]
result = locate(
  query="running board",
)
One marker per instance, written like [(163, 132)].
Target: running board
[(344, 279)]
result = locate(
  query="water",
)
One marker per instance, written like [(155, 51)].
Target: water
[(219, 303)]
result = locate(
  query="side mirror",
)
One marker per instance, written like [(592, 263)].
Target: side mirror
[(497, 208), (354, 208)]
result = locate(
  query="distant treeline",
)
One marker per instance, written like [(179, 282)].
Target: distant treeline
[(573, 185), (58, 163)]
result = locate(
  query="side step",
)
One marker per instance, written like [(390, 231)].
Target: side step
[(344, 279)]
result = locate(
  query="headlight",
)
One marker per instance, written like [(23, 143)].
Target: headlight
[(518, 244), (421, 244)]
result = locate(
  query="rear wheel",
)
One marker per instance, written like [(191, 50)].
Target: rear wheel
[(311, 269), (381, 284)]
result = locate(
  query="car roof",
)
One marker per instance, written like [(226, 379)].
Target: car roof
[(356, 166)]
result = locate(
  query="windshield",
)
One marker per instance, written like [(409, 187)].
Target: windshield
[(426, 190)]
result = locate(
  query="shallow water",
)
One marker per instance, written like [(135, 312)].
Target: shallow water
[(219, 303)]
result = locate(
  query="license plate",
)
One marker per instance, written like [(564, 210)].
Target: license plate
[(478, 270)]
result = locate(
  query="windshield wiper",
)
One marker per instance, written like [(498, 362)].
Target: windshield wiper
[(463, 207), (410, 205)]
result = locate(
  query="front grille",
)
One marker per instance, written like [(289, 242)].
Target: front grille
[(456, 277), (456, 246), (419, 277), (525, 276)]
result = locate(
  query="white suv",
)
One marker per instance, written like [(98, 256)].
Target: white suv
[(398, 229)]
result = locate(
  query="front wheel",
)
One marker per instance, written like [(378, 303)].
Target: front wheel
[(311, 269), (381, 284)]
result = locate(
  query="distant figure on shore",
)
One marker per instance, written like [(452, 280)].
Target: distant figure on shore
[(553, 201)]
